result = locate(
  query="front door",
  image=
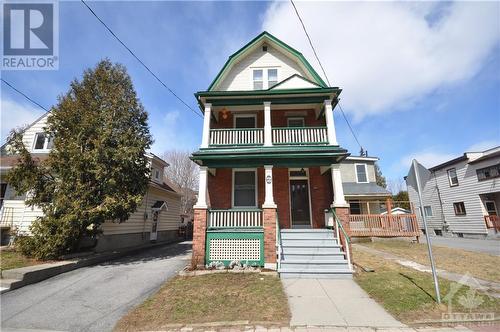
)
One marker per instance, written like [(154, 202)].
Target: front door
[(154, 225), (299, 201)]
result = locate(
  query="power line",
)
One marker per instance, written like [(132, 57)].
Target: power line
[(324, 72), (23, 94), (140, 61)]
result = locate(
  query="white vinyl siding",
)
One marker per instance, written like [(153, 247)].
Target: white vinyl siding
[(30, 134)]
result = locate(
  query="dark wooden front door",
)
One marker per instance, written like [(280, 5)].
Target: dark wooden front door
[(299, 199)]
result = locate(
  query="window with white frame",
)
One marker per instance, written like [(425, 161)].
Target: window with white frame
[(272, 77), (361, 173), (245, 188), (43, 142), (295, 122), (156, 174), (452, 177), (258, 79), (428, 211)]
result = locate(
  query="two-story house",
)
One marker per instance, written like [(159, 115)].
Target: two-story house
[(271, 167), (462, 196), (156, 219)]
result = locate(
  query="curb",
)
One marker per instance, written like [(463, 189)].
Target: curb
[(17, 278)]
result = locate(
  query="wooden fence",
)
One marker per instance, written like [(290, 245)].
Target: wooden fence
[(392, 225)]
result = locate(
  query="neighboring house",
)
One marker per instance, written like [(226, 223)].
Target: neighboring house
[(271, 168), (156, 219), (462, 196)]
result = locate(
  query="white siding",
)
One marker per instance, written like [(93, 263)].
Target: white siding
[(467, 191), (169, 219), (431, 198), (18, 215), (296, 83), (240, 77)]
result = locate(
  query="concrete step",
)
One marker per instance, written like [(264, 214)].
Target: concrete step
[(307, 235), (308, 250), (302, 275), (313, 257), (314, 267), (309, 242), (306, 230)]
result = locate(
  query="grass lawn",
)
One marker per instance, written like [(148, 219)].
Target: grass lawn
[(11, 259), (479, 265), (211, 298), (409, 294)]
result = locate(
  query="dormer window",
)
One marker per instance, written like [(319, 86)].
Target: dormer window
[(157, 174), (272, 77), (43, 142), (258, 79), (361, 173)]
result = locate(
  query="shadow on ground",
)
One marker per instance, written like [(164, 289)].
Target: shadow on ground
[(153, 254)]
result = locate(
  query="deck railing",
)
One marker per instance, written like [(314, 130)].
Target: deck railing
[(247, 136), (300, 135), (391, 225), (235, 218), (492, 222)]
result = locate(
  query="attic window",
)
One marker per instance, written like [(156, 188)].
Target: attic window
[(264, 48)]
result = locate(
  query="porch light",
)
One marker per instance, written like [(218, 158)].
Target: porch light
[(225, 113)]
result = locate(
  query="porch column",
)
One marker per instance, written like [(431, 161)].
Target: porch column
[(269, 218), (330, 123), (268, 139), (338, 190), (206, 126), (200, 220), (268, 177)]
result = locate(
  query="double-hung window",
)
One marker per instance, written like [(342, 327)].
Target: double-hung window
[(245, 188), (272, 77), (258, 79), (452, 177), (459, 208), (43, 142), (428, 211), (361, 173)]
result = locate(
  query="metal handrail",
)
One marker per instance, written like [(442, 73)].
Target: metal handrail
[(347, 239)]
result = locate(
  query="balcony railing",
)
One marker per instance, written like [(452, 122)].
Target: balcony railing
[(247, 218), (389, 225), (250, 136), (299, 135)]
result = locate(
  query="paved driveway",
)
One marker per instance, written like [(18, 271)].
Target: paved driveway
[(92, 298), (491, 247)]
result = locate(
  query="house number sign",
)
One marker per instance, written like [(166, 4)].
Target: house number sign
[(269, 179)]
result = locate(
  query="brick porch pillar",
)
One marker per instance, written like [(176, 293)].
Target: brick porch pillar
[(269, 217), (199, 237), (343, 214)]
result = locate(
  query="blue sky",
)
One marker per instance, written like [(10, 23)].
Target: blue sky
[(419, 80)]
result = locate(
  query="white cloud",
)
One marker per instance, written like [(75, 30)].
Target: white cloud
[(483, 145), (14, 115), (169, 132), (386, 55)]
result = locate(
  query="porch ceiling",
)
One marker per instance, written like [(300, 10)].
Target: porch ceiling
[(296, 156)]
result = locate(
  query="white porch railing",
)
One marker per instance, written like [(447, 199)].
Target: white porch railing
[(235, 218), (247, 136), (300, 135)]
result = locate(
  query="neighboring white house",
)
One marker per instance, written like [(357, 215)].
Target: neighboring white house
[(462, 196), (156, 219)]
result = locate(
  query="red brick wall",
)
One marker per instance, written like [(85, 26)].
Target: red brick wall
[(199, 231), (269, 217), (219, 189), (321, 195), (281, 192), (278, 118)]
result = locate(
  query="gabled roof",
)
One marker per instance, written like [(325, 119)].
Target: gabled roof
[(294, 76), (273, 40)]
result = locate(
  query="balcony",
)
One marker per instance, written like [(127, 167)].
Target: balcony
[(280, 136)]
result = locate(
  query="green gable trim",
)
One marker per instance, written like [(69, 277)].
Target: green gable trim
[(273, 101), (254, 41)]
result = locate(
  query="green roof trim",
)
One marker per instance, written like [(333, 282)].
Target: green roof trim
[(267, 92), (254, 41)]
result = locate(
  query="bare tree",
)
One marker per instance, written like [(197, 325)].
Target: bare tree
[(184, 174), (396, 185)]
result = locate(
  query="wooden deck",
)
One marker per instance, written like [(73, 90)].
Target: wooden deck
[(376, 225)]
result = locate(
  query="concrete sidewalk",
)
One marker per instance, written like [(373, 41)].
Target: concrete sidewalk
[(334, 302)]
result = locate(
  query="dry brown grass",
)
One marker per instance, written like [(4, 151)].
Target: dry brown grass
[(479, 265), (409, 294), (11, 259), (211, 298)]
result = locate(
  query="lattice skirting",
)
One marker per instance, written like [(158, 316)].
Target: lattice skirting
[(229, 246)]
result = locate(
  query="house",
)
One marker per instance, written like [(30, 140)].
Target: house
[(156, 219), (271, 184), (462, 196)]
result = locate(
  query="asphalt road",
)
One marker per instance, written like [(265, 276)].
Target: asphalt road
[(491, 247), (92, 298)]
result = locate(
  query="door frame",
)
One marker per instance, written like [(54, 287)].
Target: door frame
[(308, 193), (153, 236)]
